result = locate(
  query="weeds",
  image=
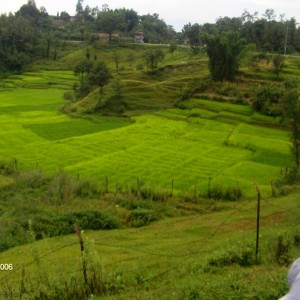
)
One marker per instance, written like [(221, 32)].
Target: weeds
[(9, 167), (283, 248), (141, 217), (216, 191), (63, 188), (242, 255), (94, 283)]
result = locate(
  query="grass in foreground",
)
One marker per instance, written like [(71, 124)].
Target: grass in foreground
[(192, 257)]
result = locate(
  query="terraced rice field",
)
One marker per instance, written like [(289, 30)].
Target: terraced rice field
[(209, 140)]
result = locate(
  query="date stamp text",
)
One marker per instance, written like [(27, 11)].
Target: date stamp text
[(6, 267)]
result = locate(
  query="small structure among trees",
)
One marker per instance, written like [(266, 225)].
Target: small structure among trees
[(105, 37), (139, 37)]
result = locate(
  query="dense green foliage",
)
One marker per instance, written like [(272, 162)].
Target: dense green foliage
[(224, 51), (167, 149), (265, 32), (32, 34), (23, 37)]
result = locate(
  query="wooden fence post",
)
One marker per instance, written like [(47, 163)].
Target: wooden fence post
[(257, 220), (84, 270)]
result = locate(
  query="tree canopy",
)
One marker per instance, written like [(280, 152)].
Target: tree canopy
[(224, 51)]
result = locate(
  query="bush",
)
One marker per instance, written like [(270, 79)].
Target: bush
[(267, 99), (243, 255), (290, 175), (93, 220), (215, 191), (88, 220), (139, 67), (135, 204), (153, 194), (284, 244), (184, 94), (9, 167), (233, 193), (63, 188), (33, 179), (140, 217), (69, 96)]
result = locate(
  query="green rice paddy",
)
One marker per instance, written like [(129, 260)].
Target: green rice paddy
[(210, 140)]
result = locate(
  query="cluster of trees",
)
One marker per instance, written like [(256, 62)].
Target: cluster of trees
[(24, 36), (267, 33), (122, 20), (91, 74), (31, 33)]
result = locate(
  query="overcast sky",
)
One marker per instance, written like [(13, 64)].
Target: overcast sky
[(174, 12)]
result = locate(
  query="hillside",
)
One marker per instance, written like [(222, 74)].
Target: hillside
[(200, 256), (163, 174)]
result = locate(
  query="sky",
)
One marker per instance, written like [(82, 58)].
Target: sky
[(174, 12)]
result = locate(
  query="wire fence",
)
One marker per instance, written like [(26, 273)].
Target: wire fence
[(134, 253)]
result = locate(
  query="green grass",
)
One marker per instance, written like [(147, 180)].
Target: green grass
[(206, 145), (71, 128), (212, 140), (170, 258)]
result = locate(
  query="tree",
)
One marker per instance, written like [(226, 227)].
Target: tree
[(100, 76), (82, 70), (278, 64), (110, 21), (87, 53), (65, 16), (130, 59), (291, 115), (155, 29), (268, 98), (130, 18), (152, 57), (173, 46), (227, 24), (224, 51), (270, 14), (116, 57), (192, 32), (79, 7)]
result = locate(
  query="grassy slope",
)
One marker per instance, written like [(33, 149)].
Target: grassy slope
[(170, 258), (208, 140), (154, 148)]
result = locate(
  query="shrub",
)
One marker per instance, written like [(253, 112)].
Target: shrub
[(140, 217), (291, 83), (69, 96), (31, 179), (215, 191), (242, 255), (139, 67), (267, 99), (64, 188), (184, 94), (284, 244), (135, 204), (88, 220), (233, 193), (153, 194), (290, 175), (9, 167)]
